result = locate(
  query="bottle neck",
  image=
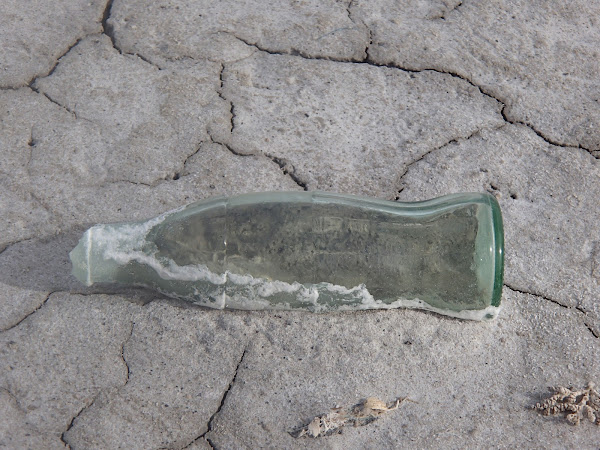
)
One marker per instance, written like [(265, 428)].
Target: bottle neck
[(96, 258)]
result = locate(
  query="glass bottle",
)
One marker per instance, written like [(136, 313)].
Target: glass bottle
[(318, 251)]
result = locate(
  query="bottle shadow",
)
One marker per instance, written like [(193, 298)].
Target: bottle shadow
[(43, 264)]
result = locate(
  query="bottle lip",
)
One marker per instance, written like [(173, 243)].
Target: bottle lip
[(498, 225)]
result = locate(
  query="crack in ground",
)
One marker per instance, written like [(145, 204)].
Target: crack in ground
[(445, 14), (31, 142), (107, 28), (232, 115), (138, 183), (348, 10), (41, 203), (221, 95), (143, 58), (370, 62), (75, 417), (123, 353), (595, 333), (169, 177), (535, 294), (366, 61), (369, 33), (285, 166), (287, 169), (578, 308), (451, 141), (30, 314), (53, 68), (90, 404), (221, 83), (221, 403), (109, 31), (33, 81), (228, 147), (369, 43), (179, 174), (51, 100), (14, 399), (109, 34), (10, 244), (543, 136)]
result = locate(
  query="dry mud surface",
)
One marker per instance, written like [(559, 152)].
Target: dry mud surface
[(120, 110)]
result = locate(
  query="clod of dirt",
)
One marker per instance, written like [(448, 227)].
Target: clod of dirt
[(575, 405)]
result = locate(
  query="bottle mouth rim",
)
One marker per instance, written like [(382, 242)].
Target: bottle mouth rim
[(498, 229)]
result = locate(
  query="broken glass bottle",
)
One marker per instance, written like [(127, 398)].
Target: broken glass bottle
[(310, 250)]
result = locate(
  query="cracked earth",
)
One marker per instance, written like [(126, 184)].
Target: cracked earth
[(121, 110)]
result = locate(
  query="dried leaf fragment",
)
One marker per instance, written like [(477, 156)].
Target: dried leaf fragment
[(360, 414), (576, 405)]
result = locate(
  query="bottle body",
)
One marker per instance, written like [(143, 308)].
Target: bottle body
[(311, 250)]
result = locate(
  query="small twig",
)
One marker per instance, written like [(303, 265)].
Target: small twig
[(359, 415)]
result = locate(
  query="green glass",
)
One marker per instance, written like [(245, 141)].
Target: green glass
[(310, 250)]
